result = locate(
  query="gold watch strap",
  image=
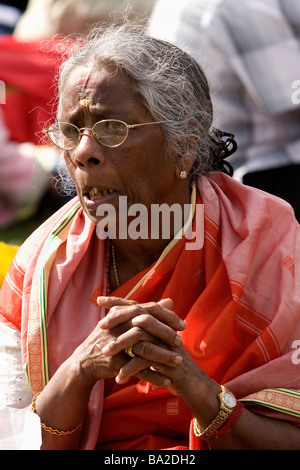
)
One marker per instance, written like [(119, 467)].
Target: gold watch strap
[(214, 426)]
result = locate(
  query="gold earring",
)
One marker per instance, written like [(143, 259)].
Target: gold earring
[(183, 174)]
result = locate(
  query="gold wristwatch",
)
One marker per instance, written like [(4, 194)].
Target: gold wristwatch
[(227, 406)]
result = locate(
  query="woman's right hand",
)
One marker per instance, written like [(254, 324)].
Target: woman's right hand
[(90, 363)]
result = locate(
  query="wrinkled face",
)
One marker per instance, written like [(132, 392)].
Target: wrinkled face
[(138, 169)]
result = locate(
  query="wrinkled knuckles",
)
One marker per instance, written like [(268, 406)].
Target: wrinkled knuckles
[(138, 310), (144, 349), (143, 319), (151, 306), (138, 333), (113, 311)]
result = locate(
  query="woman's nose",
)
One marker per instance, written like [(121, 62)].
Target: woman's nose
[(88, 152)]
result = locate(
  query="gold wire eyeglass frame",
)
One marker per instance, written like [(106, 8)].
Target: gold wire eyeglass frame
[(82, 129)]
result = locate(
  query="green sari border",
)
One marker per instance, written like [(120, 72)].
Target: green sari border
[(37, 336), (278, 399)]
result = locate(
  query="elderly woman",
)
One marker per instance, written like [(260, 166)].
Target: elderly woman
[(134, 339)]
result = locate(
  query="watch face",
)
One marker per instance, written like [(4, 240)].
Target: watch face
[(229, 399)]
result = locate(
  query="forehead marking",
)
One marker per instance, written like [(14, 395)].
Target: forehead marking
[(84, 103)]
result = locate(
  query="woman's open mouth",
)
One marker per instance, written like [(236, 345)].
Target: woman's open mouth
[(94, 193), (96, 196)]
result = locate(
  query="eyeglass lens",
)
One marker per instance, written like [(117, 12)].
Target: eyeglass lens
[(108, 132)]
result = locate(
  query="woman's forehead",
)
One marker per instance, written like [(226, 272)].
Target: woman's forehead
[(101, 89), (98, 84), (93, 80)]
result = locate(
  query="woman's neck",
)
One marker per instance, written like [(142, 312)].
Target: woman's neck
[(129, 255)]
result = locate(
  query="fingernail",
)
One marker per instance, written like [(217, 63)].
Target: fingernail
[(102, 300), (178, 341), (178, 360), (182, 323)]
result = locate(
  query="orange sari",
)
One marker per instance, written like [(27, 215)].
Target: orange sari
[(237, 295)]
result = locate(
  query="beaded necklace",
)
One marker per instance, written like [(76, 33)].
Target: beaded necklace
[(107, 261), (110, 253)]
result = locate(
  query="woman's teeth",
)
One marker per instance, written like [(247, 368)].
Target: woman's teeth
[(94, 193)]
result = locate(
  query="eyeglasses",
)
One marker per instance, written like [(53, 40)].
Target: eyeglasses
[(109, 132)]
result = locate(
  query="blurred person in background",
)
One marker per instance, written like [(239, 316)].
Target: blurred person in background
[(27, 102), (10, 13), (49, 17), (23, 179), (250, 51), (29, 61)]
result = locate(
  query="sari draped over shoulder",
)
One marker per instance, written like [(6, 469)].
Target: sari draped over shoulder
[(237, 293)]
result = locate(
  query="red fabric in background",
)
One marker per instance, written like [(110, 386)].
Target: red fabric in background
[(28, 71)]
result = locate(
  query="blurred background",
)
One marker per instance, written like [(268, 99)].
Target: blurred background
[(30, 54)]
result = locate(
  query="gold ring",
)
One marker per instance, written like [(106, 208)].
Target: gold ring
[(129, 352)]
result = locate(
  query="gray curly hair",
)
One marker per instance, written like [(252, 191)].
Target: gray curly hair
[(172, 86)]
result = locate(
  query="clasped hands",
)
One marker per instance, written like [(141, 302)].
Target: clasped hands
[(152, 330)]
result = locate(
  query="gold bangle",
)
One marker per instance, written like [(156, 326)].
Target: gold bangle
[(56, 432)]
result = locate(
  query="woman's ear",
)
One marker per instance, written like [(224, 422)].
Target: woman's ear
[(186, 160)]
